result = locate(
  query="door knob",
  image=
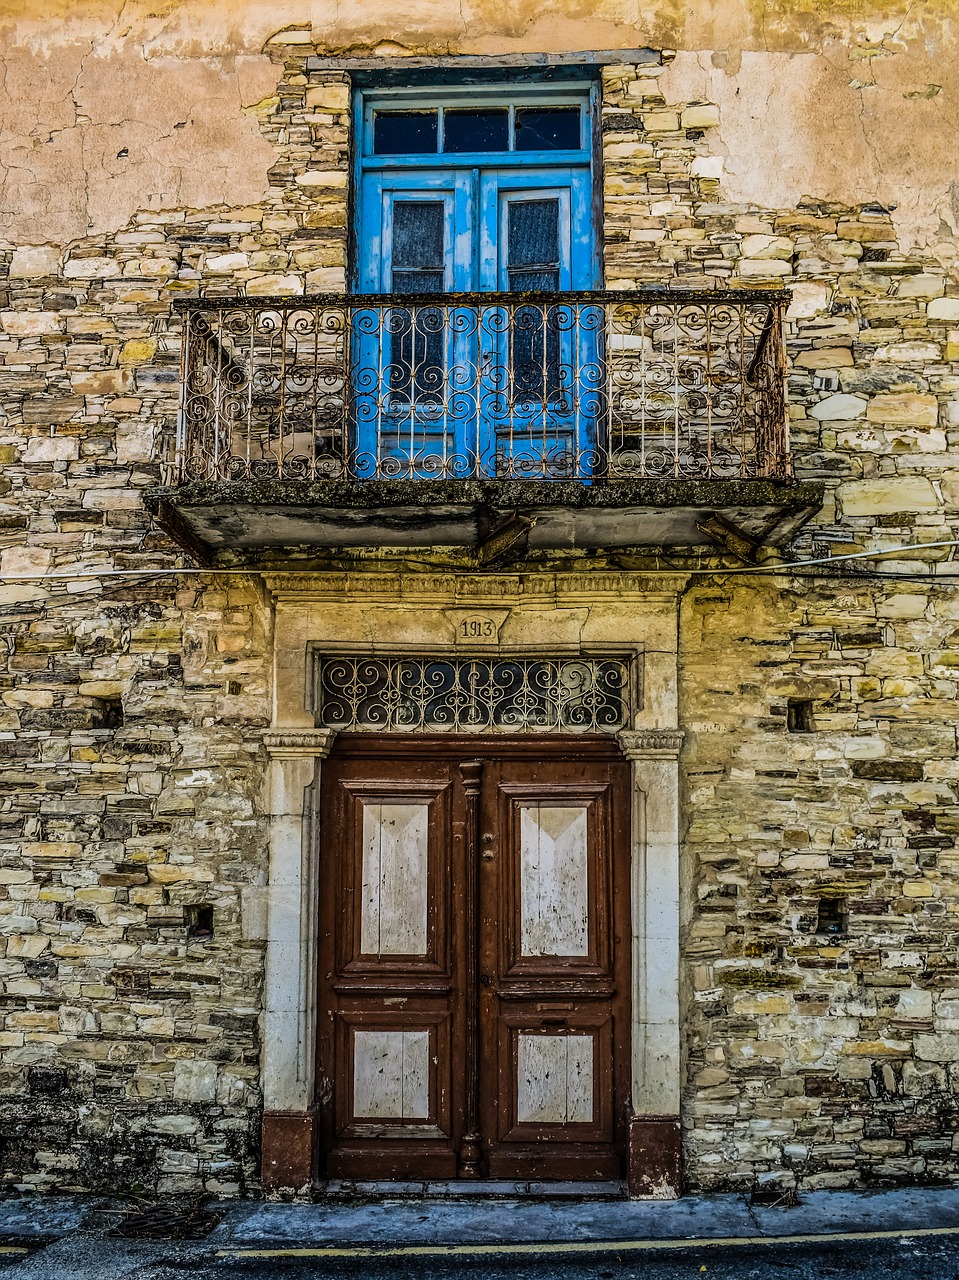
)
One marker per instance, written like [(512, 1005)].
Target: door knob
[(485, 980)]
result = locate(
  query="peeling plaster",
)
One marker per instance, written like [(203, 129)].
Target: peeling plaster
[(836, 126), (91, 136), (109, 107)]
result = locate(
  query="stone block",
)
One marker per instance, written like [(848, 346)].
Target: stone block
[(908, 352), (30, 324), (225, 264), (937, 1048), (766, 246), (922, 285), (33, 260), (135, 441), (24, 560), (839, 408), (268, 286), (334, 179), (660, 121), (138, 351), (90, 268), (758, 267), (194, 1081), (903, 605), (707, 167), (906, 409), (101, 382), (328, 97), (943, 309), (887, 496), (824, 358), (701, 115)]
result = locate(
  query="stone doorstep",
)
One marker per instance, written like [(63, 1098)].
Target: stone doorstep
[(486, 1189), (431, 1215)]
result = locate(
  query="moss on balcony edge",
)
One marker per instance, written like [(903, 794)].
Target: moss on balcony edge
[(713, 494)]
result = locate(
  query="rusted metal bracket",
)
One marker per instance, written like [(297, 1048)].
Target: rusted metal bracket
[(506, 542), (723, 532)]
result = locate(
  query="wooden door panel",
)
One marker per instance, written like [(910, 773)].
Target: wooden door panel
[(554, 879), (556, 1077), (394, 888), (558, 987), (474, 924), (395, 1082), (390, 1019)]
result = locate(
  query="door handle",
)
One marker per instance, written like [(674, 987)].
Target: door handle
[(488, 852)]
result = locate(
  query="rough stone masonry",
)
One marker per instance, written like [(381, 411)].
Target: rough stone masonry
[(154, 153)]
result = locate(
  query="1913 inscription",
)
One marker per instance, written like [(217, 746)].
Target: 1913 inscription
[(472, 627), (477, 629)]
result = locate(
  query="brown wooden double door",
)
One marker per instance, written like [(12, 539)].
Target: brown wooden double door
[(474, 958)]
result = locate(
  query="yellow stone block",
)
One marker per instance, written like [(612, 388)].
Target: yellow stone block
[(877, 1048), (138, 351), (917, 889)]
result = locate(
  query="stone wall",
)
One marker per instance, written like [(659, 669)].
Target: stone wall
[(132, 709)]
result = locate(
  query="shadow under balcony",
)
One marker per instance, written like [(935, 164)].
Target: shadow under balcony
[(593, 420)]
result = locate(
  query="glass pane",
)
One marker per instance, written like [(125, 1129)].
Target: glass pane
[(522, 281), (547, 129), (533, 234), (407, 282), (418, 235), (476, 130), (586, 694), (404, 133), (416, 336)]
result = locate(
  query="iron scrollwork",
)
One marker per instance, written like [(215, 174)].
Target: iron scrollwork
[(498, 386), (473, 695)]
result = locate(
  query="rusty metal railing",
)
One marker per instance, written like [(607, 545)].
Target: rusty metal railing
[(650, 384)]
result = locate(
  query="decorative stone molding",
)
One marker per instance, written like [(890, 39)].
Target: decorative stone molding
[(453, 589), (299, 742), (646, 744)]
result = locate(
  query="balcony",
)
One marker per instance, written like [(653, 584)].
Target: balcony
[(576, 420)]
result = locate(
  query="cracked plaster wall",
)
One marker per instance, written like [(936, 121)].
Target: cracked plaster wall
[(110, 108)]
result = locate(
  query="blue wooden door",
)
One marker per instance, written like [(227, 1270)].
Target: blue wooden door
[(474, 389)]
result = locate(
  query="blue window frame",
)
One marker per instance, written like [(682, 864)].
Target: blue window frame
[(466, 194)]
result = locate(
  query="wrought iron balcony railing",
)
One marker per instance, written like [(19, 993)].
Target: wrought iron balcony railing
[(498, 386)]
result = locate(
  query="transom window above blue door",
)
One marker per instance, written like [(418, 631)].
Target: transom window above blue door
[(459, 130), (475, 193)]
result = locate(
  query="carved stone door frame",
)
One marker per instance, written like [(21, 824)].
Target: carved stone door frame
[(547, 613)]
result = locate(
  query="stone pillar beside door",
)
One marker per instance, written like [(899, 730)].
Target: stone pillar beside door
[(654, 1157), (289, 1016)]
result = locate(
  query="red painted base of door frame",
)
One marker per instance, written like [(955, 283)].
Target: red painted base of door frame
[(655, 1162), (288, 1141)]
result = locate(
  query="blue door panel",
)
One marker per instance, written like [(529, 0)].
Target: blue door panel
[(483, 390)]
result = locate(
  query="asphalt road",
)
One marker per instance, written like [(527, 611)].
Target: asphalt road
[(894, 1258)]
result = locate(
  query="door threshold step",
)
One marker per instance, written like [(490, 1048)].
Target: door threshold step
[(480, 1189)]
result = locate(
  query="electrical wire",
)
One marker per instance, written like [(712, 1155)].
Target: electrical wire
[(785, 567)]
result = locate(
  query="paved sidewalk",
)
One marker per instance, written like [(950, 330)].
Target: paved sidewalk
[(71, 1236)]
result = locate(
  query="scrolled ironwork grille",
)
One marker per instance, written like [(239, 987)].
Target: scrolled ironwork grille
[(472, 695), (498, 386)]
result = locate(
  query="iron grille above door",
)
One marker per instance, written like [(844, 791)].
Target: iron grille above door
[(473, 695)]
